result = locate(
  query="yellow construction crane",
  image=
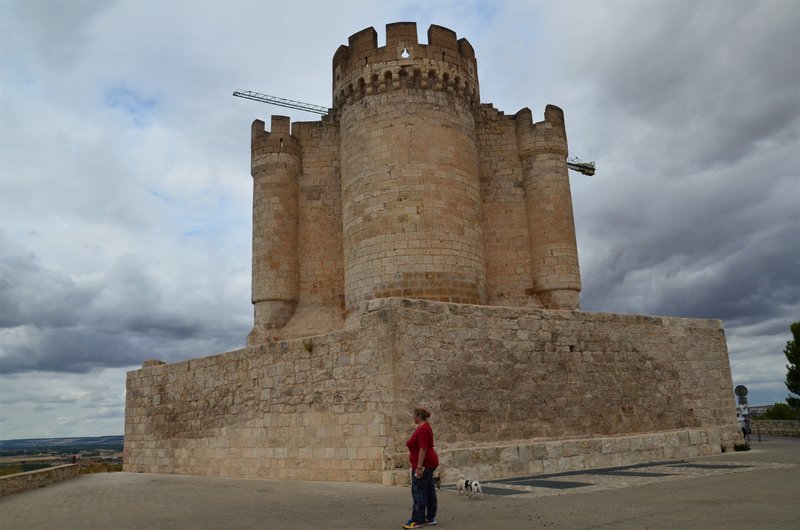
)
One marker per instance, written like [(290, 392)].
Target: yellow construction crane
[(575, 164)]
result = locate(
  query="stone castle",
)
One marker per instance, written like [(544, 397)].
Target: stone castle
[(418, 246)]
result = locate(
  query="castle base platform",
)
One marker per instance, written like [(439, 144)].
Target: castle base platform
[(512, 391)]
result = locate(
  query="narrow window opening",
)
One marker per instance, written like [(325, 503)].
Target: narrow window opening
[(281, 142), (405, 54), (572, 348)]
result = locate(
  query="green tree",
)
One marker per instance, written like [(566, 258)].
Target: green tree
[(792, 352), (780, 411)]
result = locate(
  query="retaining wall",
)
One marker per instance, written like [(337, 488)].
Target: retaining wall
[(776, 427), (38, 478)]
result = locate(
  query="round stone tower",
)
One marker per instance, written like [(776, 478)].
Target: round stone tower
[(542, 146), (275, 166), (409, 166)]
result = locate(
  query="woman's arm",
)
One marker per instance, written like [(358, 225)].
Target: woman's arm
[(423, 452)]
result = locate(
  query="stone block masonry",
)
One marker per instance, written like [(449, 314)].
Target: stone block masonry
[(513, 390)]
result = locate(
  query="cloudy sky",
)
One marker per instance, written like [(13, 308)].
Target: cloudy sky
[(125, 192)]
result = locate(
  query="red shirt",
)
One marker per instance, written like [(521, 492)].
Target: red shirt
[(422, 439)]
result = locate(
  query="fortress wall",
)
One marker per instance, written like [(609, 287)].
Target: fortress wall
[(321, 267), (511, 389), (506, 373), (311, 409), (506, 243)]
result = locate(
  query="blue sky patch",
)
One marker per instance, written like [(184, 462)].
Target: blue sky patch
[(137, 107)]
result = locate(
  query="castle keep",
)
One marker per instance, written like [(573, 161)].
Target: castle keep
[(416, 245), (409, 188)]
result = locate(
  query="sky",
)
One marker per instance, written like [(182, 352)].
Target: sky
[(125, 188)]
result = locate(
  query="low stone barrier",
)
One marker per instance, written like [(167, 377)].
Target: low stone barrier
[(776, 427), (39, 478), (556, 456)]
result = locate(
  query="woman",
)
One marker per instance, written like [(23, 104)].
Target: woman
[(424, 462)]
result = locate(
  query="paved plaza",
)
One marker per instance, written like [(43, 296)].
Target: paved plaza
[(753, 489)]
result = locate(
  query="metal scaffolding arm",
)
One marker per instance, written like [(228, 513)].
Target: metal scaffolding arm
[(281, 102), (587, 168)]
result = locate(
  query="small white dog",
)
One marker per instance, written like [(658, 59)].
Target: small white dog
[(468, 487)]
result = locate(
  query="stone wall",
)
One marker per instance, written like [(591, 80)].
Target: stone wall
[(776, 427), (39, 478), (505, 219), (512, 391)]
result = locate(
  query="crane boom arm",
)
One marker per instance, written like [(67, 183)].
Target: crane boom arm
[(281, 102), (587, 168)]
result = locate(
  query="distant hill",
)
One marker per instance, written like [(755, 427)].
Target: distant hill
[(86, 442)]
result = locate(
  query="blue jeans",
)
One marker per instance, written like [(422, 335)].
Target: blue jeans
[(423, 491)]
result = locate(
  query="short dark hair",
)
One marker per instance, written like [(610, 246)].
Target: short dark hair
[(422, 413)]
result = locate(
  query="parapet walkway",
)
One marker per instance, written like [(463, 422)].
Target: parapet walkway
[(753, 489)]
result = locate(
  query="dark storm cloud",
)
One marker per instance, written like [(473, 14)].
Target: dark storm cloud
[(52, 322), (31, 294), (696, 205)]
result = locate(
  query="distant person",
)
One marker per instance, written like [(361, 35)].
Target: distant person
[(742, 424), (424, 462)]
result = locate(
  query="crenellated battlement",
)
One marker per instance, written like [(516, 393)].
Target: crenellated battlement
[(548, 136), (278, 140), (446, 63), (275, 148)]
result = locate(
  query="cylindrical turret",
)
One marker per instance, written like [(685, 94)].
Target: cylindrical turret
[(551, 226), (275, 166), (409, 166)]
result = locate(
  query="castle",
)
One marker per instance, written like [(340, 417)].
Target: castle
[(416, 245)]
